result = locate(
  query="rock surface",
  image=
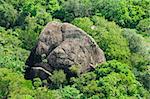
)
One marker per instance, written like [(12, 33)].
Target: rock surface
[(60, 46)]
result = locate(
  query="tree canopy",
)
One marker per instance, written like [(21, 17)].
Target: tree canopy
[(121, 28)]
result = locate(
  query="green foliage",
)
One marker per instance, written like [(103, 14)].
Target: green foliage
[(17, 4), (110, 80), (37, 82), (75, 69), (8, 15), (84, 23), (106, 34), (58, 78), (12, 56), (87, 84), (15, 84), (138, 48), (144, 27), (28, 37), (140, 55), (145, 79), (22, 21), (135, 40), (70, 93), (3, 87), (30, 7), (42, 17), (74, 8), (29, 19), (127, 13), (45, 93), (33, 6), (52, 6)]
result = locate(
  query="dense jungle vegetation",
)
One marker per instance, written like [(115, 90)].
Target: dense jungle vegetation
[(121, 29)]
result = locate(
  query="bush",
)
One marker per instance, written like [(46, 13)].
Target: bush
[(138, 48), (136, 43), (110, 80), (144, 27), (106, 34), (8, 15), (140, 59), (145, 79), (31, 27), (84, 23), (86, 84), (126, 13), (12, 55), (58, 78), (14, 86), (45, 93), (74, 8), (29, 33), (70, 93), (14, 83)]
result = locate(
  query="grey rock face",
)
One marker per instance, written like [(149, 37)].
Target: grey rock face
[(64, 45)]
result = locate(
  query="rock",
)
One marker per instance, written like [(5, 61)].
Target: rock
[(63, 45)]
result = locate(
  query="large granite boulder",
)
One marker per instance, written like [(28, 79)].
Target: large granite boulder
[(61, 46)]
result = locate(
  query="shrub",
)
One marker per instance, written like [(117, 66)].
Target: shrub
[(8, 15), (14, 83), (45, 93), (29, 34), (110, 80), (144, 27), (70, 93), (58, 78), (12, 55), (126, 13), (14, 86), (136, 43), (74, 8), (108, 36), (84, 23)]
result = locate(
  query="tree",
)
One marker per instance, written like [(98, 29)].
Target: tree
[(84, 23), (12, 55), (8, 15), (106, 34), (45, 93), (139, 51), (140, 59), (14, 86), (37, 82), (143, 27), (58, 78), (52, 6), (86, 84), (70, 93), (110, 80), (126, 13), (30, 33), (43, 17), (74, 8), (136, 43), (14, 83)]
